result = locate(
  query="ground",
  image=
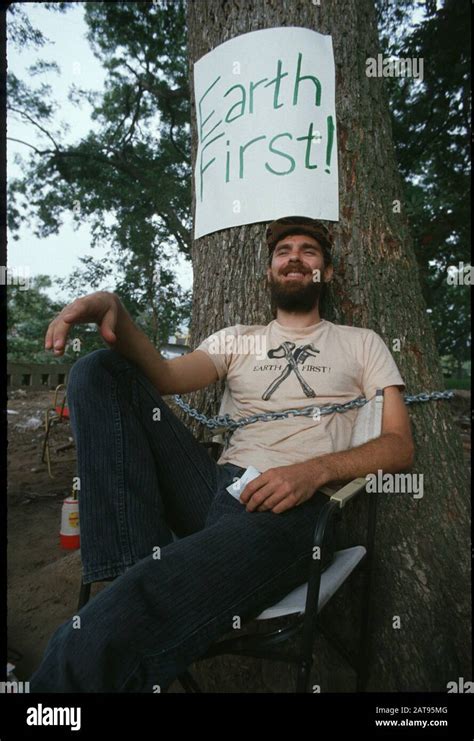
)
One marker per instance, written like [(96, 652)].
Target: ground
[(43, 579)]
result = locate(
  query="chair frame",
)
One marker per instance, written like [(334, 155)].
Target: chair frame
[(305, 625), (52, 417)]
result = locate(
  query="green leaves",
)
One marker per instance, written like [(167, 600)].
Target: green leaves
[(431, 132), (130, 176)]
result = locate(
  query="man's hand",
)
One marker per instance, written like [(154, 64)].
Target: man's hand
[(101, 307), (281, 488)]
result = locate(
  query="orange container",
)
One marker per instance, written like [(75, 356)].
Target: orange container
[(69, 533)]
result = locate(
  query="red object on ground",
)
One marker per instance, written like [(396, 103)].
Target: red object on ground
[(62, 411), (69, 533)]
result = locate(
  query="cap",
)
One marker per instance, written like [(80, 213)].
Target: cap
[(283, 227)]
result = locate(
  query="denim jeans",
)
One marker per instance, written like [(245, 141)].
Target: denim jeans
[(154, 512)]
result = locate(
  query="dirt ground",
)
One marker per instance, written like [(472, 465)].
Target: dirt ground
[(43, 579)]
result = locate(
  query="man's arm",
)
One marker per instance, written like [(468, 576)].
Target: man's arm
[(281, 488), (176, 376), (392, 452), (180, 375)]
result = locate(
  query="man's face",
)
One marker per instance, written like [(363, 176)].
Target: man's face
[(297, 272)]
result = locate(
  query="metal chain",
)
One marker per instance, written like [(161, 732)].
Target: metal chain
[(224, 421)]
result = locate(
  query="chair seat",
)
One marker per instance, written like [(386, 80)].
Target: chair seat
[(341, 567)]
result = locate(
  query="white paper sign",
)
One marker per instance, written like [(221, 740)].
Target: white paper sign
[(266, 122)]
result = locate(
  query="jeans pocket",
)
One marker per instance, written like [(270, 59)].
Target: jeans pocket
[(231, 474), (223, 502), (228, 472)]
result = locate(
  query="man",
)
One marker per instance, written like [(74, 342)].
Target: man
[(145, 479)]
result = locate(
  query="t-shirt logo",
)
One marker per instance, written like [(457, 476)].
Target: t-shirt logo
[(295, 356)]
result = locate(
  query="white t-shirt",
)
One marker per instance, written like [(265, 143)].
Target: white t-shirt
[(272, 368)]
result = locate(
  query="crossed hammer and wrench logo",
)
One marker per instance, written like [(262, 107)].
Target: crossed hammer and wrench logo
[(294, 357)]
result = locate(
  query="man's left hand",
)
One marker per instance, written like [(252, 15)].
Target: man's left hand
[(281, 488)]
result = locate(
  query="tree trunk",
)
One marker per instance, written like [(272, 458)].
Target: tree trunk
[(422, 556)]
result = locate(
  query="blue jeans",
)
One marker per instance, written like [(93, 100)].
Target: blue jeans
[(154, 512)]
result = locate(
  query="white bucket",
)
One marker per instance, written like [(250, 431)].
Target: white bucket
[(69, 532)]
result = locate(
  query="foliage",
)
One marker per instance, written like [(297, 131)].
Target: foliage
[(130, 179), (431, 128), (29, 313)]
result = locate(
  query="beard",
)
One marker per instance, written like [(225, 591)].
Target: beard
[(294, 296)]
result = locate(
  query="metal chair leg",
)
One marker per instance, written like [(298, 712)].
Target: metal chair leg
[(84, 594), (85, 591), (188, 682), (46, 452), (364, 646), (302, 680), (364, 652)]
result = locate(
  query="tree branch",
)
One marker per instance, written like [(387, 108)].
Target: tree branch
[(35, 123), (133, 123), (160, 93), (39, 151), (172, 222)]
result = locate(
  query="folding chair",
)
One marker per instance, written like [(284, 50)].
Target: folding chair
[(307, 601), (54, 415)]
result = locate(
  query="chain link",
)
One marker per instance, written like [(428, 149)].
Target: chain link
[(225, 421)]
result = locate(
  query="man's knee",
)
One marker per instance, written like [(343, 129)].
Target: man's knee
[(96, 370), (90, 370)]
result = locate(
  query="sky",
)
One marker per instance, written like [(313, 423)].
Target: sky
[(59, 254)]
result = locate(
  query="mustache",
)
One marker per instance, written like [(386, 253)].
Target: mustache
[(294, 268)]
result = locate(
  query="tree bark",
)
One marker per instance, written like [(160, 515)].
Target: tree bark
[(422, 557)]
